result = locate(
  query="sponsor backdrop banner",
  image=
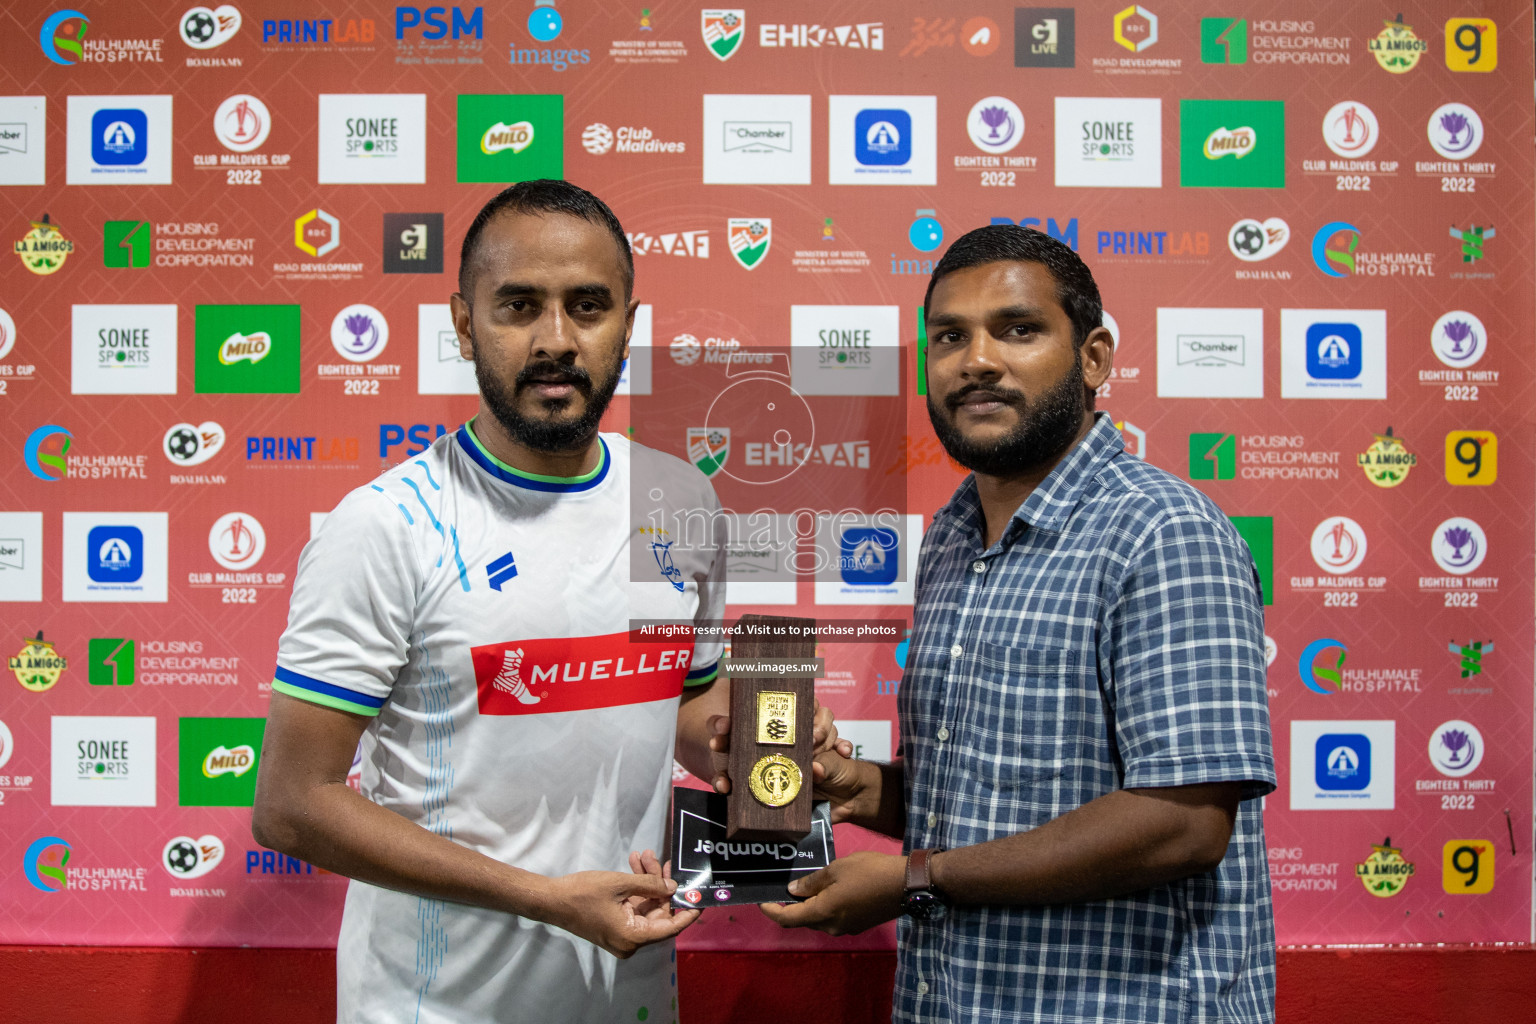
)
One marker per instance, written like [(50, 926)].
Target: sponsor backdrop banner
[(234, 233)]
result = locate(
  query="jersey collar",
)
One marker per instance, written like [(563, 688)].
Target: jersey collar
[(532, 481)]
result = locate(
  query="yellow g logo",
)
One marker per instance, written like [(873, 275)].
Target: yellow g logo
[(1471, 44), (1467, 867)]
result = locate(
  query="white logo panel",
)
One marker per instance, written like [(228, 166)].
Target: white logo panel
[(372, 139), (123, 350), (1210, 353), (757, 140)]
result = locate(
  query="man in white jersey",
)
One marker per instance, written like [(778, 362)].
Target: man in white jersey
[(465, 617)]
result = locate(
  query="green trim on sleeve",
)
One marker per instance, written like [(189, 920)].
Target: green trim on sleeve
[(324, 700)]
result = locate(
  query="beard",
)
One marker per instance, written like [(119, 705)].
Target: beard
[(556, 434), (1046, 427)]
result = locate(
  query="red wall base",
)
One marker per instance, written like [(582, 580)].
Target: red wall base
[(87, 985)]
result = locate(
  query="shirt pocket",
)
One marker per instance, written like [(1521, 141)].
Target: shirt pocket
[(1025, 714)]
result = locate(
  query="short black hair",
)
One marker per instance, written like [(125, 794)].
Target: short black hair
[(545, 195), (998, 243)]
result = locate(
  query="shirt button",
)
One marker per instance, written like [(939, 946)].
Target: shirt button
[(978, 566), (922, 988), (933, 820), (943, 734), (956, 651)]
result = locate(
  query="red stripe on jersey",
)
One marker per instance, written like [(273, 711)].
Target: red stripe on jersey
[(576, 673)]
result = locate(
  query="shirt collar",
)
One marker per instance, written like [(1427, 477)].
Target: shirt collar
[(481, 456)]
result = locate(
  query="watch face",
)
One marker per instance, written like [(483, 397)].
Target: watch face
[(924, 906)]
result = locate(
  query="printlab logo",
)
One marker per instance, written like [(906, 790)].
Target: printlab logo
[(1333, 248), (1253, 240), (126, 243), (1350, 129), (1223, 40), (1321, 672), (1471, 44), (62, 35), (359, 333), (1044, 37), (1338, 545), (46, 862), (723, 30), (995, 124), (1455, 131), (1232, 143), (1456, 749), (237, 541), (1471, 458), (186, 444), (413, 243), (242, 123), (749, 239), (1471, 656), (1458, 339), (185, 857), (204, 29), (1459, 545), (1472, 238), (1136, 28)]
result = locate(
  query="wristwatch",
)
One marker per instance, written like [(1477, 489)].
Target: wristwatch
[(922, 901)]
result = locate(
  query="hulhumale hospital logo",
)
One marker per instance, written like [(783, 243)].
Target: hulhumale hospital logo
[(61, 35), (1333, 248), (46, 864), (1322, 678), (41, 464)]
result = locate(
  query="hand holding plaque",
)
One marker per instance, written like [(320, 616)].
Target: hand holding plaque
[(771, 730)]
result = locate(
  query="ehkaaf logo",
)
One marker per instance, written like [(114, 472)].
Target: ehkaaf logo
[(557, 674), (869, 35)]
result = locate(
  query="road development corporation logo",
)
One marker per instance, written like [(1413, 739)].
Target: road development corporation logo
[(1350, 129), (1253, 240), (1459, 545), (1384, 873), (242, 123), (1322, 666), (1458, 339), (1338, 545), (187, 444), (46, 863), (316, 233), (237, 541), (185, 857), (204, 29), (1135, 28), (749, 239), (1455, 131), (723, 30), (1456, 749), (359, 333)]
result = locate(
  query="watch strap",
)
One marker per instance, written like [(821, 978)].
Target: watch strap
[(919, 876)]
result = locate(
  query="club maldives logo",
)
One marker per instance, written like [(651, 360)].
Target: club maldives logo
[(46, 864), (1396, 48), (1322, 677), (1333, 248), (1338, 545), (44, 465), (1384, 873), (43, 249), (723, 31), (709, 448), (61, 37), (204, 29), (1472, 238), (750, 238), (1458, 339), (1387, 461), (1459, 545), (1350, 129), (546, 676), (1456, 749), (242, 123), (37, 666)]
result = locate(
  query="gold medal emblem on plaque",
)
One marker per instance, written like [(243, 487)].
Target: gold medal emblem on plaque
[(776, 718), (775, 780)]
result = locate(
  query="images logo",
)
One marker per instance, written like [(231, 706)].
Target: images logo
[(113, 662), (1471, 655), (1467, 864), (203, 29), (1456, 749), (709, 448), (126, 243), (1135, 28), (723, 31), (995, 124), (36, 459), (1254, 240), (247, 350), (1459, 545), (1471, 457), (413, 243), (1350, 129), (242, 123), (359, 333), (1396, 48), (1472, 239), (1387, 461), (1333, 248), (43, 249), (188, 445), (61, 35), (185, 857), (1338, 545), (37, 666), (215, 760), (46, 862), (1458, 339), (1223, 40), (1043, 37), (511, 138), (749, 238), (1455, 131), (1325, 680), (1471, 44), (237, 540), (925, 232), (869, 556), (1384, 873), (1252, 131), (317, 233), (1212, 456)]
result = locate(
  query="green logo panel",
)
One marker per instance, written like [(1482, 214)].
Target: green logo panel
[(1212, 456), (247, 350), (511, 138), (1223, 41), (113, 662), (1232, 143), (1258, 532), (216, 761), (126, 243)]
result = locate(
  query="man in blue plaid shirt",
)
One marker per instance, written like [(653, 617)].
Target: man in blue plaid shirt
[(1085, 735)]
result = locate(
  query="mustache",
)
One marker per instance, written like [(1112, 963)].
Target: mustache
[(1009, 396), (550, 372)]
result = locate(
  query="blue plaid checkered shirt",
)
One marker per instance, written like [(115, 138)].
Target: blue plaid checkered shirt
[(1113, 638)]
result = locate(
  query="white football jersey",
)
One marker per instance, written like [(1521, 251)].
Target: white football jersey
[(482, 615)]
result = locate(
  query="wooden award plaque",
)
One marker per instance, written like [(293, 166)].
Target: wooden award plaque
[(771, 722)]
